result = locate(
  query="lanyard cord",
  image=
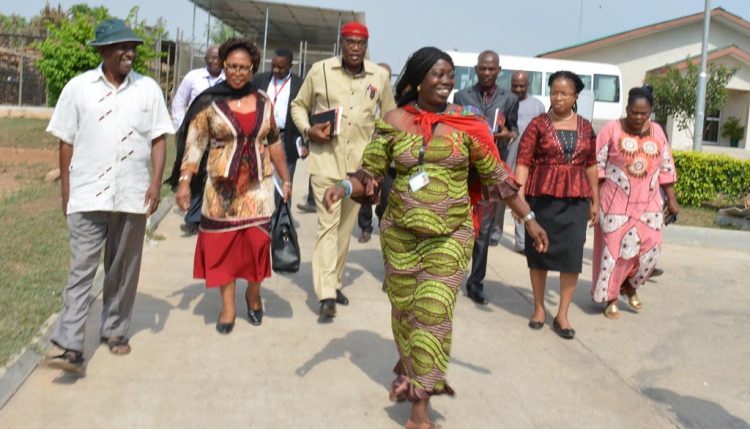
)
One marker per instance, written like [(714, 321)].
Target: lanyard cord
[(276, 88)]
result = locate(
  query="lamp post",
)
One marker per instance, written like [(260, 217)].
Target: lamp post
[(700, 100)]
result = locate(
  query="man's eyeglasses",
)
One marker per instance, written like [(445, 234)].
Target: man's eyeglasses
[(238, 68), (351, 43)]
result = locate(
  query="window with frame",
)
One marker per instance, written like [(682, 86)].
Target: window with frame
[(711, 127), (606, 88)]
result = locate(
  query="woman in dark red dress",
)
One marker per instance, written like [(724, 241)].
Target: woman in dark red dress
[(240, 135), (556, 168)]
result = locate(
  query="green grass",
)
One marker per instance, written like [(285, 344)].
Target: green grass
[(26, 133), (699, 216), (34, 249), (34, 260)]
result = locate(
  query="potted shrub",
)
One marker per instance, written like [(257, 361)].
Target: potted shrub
[(733, 130)]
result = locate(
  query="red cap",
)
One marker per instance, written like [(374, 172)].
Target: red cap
[(354, 29)]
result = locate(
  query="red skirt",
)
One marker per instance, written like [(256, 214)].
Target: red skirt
[(223, 257)]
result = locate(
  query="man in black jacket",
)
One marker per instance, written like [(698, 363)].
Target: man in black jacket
[(494, 103), (282, 86)]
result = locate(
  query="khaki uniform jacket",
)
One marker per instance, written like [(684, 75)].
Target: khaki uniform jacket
[(362, 98)]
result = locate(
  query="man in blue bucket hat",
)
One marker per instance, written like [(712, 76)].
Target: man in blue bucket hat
[(111, 122)]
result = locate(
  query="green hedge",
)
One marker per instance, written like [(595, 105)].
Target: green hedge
[(701, 177)]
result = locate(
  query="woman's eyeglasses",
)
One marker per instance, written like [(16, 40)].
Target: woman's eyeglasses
[(238, 68)]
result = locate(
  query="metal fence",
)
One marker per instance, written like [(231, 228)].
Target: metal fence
[(21, 83)]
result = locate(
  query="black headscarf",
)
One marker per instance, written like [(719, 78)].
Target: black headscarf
[(416, 69), (645, 92), (220, 91)]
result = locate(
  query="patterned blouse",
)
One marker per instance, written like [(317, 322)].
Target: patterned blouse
[(239, 189), (550, 173), (442, 206)]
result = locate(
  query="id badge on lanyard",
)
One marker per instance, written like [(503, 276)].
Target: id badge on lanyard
[(420, 179)]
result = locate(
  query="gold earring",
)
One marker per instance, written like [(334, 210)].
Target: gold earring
[(419, 88)]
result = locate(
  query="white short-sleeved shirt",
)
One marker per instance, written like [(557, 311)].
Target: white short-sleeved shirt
[(111, 130), (195, 82)]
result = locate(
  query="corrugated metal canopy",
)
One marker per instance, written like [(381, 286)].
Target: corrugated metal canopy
[(288, 24)]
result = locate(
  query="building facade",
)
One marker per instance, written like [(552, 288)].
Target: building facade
[(650, 49)]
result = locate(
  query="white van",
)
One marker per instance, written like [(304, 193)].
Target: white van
[(604, 79)]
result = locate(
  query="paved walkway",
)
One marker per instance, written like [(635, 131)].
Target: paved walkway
[(681, 362)]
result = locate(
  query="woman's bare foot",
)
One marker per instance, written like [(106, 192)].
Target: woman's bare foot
[(539, 315), (227, 316), (422, 425), (611, 311)]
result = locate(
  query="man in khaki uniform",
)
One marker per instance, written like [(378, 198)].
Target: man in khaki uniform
[(361, 88)]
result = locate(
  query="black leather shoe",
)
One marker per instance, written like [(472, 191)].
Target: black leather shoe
[(306, 208), (341, 298), (224, 328), (189, 228), (328, 308), (365, 236), (568, 334), (255, 316), (477, 296), (536, 324)]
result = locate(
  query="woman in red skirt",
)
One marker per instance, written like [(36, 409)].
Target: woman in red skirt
[(233, 121)]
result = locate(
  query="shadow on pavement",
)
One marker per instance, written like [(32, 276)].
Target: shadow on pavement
[(370, 259), (371, 353), (303, 280), (694, 412), (400, 413), (149, 313), (209, 305)]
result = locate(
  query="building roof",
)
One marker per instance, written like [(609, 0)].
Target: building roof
[(718, 14), (288, 24), (730, 51)]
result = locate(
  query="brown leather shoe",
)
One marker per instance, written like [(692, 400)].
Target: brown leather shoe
[(365, 236)]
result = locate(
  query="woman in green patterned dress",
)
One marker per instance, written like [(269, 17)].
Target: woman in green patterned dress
[(427, 231)]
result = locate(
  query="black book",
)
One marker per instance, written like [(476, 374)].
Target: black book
[(332, 117)]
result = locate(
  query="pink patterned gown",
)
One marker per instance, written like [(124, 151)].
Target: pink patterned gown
[(627, 240)]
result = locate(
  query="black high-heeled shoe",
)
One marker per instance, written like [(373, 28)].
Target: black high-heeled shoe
[(255, 316), (224, 328), (568, 334)]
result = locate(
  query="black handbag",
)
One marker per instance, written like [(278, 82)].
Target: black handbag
[(285, 256)]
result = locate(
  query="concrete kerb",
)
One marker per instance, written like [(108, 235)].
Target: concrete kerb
[(20, 366)]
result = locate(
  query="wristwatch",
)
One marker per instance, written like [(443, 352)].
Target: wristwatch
[(530, 215)]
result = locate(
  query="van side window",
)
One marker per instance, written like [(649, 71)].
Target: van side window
[(465, 77), (606, 88), (586, 78)]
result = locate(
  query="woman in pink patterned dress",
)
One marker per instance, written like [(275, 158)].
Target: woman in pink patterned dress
[(634, 162)]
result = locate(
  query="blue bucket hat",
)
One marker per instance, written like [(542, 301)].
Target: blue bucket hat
[(111, 31)]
